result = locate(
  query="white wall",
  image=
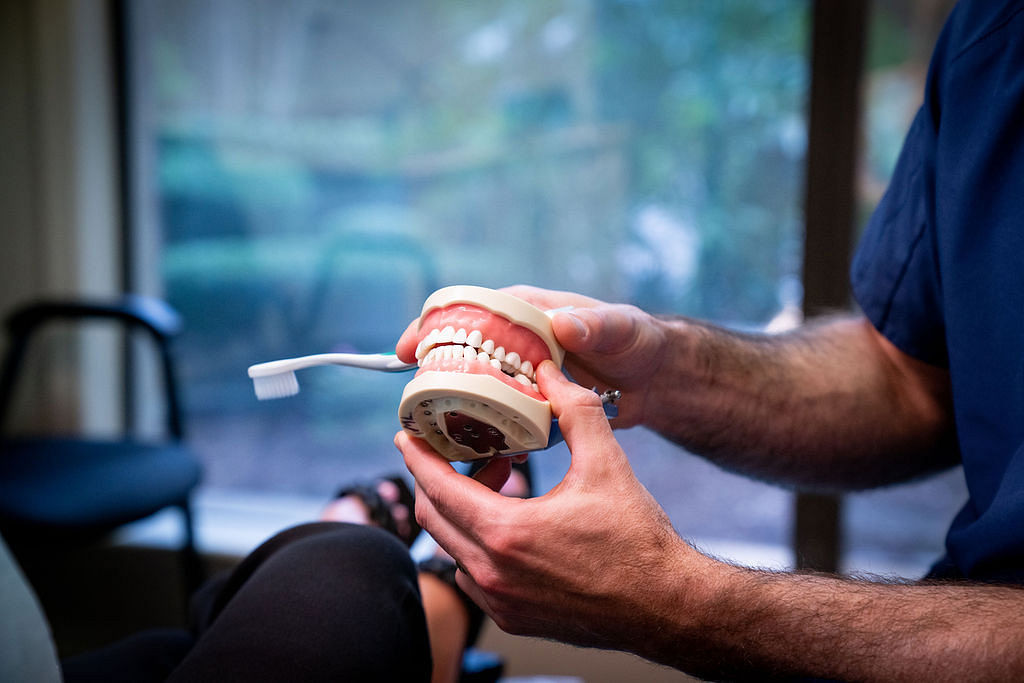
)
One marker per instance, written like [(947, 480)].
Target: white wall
[(58, 183)]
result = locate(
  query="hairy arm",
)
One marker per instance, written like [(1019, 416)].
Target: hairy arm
[(738, 623), (595, 562), (832, 404)]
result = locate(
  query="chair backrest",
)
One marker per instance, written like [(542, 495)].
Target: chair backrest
[(150, 315)]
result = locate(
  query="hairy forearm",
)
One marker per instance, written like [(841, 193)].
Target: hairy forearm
[(747, 624), (825, 406)]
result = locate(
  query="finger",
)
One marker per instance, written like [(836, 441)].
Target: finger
[(405, 349), (468, 555), (454, 537), (495, 473), (465, 582), (607, 329), (448, 535), (462, 501), (548, 299), (572, 331), (428, 468), (582, 421)]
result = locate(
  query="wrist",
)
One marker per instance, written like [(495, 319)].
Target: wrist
[(676, 375), (691, 590)]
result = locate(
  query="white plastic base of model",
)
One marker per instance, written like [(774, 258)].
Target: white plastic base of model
[(524, 423)]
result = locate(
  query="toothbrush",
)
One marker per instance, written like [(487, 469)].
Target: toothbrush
[(276, 379)]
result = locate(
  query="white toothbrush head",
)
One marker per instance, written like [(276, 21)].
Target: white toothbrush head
[(276, 378), (276, 386)]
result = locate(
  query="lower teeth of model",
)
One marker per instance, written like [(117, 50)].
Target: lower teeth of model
[(524, 373)]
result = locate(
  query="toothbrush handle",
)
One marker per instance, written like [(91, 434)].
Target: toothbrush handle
[(385, 362)]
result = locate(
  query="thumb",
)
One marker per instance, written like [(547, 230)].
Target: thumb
[(581, 419), (607, 329), (405, 348)]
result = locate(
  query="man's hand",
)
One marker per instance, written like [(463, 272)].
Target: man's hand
[(595, 562), (591, 562), (610, 346)]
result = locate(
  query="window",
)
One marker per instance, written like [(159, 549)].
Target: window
[(304, 174)]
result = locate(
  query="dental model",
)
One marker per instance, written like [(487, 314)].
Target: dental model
[(474, 395)]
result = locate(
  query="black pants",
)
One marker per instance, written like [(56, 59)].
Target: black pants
[(318, 602)]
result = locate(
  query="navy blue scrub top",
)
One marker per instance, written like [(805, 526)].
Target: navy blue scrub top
[(940, 270)]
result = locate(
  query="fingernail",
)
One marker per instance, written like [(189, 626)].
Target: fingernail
[(581, 328), (546, 367)]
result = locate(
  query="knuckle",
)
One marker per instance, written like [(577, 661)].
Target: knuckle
[(490, 582), (505, 544), (584, 407)]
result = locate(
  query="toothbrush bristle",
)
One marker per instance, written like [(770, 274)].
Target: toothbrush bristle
[(276, 386)]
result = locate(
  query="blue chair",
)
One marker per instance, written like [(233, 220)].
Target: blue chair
[(58, 492)]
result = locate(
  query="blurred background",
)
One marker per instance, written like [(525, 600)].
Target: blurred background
[(296, 177)]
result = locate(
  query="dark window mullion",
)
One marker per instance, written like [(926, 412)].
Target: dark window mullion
[(838, 36)]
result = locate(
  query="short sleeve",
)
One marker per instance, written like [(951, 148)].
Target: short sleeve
[(895, 272)]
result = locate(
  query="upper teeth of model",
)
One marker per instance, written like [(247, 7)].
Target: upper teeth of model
[(452, 344)]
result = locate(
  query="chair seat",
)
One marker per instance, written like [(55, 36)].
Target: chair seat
[(77, 485)]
